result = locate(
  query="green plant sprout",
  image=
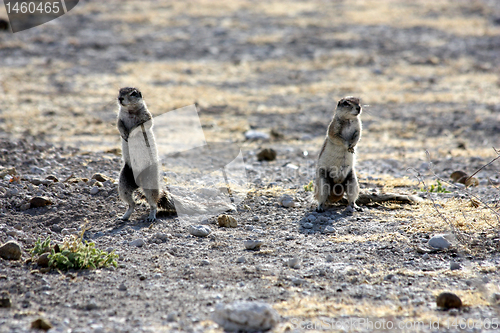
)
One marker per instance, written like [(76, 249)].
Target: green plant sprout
[(74, 253), (40, 247), (438, 188), (309, 187)]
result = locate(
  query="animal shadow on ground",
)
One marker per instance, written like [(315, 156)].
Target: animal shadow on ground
[(313, 222)]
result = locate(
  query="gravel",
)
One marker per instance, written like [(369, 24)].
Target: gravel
[(263, 75)]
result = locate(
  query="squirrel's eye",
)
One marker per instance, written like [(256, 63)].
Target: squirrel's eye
[(134, 94)]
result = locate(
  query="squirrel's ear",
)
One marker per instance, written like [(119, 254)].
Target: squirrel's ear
[(139, 93)]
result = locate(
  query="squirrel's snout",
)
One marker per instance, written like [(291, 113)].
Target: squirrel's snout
[(120, 99)]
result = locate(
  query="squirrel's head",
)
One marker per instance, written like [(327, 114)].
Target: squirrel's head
[(130, 98), (349, 107)]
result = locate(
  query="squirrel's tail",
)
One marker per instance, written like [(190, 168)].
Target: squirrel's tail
[(166, 203)]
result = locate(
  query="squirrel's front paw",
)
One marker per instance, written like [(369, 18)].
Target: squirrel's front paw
[(351, 150)]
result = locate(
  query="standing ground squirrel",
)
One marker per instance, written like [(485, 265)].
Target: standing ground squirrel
[(135, 124), (335, 173)]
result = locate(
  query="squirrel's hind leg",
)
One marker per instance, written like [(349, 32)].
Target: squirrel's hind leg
[(126, 188), (152, 197)]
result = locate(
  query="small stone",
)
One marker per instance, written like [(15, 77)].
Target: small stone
[(199, 230), (241, 260), (99, 177), (330, 258), (463, 178), (266, 154), (425, 256), (162, 236), (68, 231), (53, 178), (308, 225), (453, 312), (94, 190), (329, 230), (205, 262), (245, 316), (349, 210), (495, 297), (92, 305), (227, 221), (311, 218), (12, 192), (37, 202), (56, 228), (448, 301), (15, 233), (255, 218), (294, 262), (404, 299), (454, 266), (7, 171), (157, 276), (172, 317), (43, 260), (25, 206), (37, 170), (5, 301), (122, 287), (391, 278), (286, 201), (256, 135), (137, 242), (252, 244), (10, 251), (42, 324), (322, 219), (418, 301), (18, 226), (297, 281), (439, 242)]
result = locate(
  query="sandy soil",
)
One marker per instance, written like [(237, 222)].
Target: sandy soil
[(427, 73)]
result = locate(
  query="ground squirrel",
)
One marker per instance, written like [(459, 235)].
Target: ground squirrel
[(135, 124), (335, 173)]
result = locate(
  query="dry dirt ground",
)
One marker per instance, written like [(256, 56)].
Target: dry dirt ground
[(427, 73)]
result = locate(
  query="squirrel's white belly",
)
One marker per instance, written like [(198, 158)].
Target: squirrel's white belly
[(337, 161)]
